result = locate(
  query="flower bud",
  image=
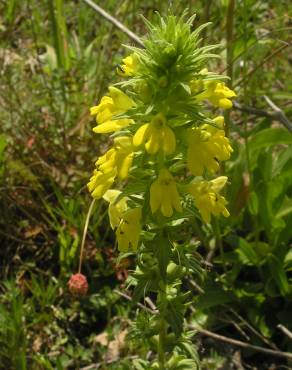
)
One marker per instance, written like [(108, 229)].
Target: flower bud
[(173, 271), (78, 285)]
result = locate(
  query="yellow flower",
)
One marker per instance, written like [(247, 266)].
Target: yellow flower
[(200, 154), (129, 229), (100, 182), (115, 209), (207, 145), (156, 135), (207, 199), (119, 157), (197, 85), (129, 66), (125, 221), (218, 94), (110, 106), (220, 143), (164, 194)]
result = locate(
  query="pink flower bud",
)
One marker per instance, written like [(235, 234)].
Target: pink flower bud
[(78, 284)]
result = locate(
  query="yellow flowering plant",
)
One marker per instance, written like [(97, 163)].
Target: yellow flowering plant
[(161, 171)]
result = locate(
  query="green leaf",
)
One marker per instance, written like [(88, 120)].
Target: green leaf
[(253, 203), (288, 261), (246, 253), (214, 296), (186, 88), (279, 275), (175, 314), (282, 160), (269, 137), (285, 209), (187, 364), (3, 144), (258, 320)]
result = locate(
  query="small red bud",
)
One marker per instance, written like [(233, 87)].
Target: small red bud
[(78, 284)]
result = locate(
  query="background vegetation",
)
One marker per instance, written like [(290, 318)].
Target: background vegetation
[(56, 59)]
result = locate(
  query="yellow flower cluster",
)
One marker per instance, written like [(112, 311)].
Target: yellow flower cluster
[(116, 162), (156, 135), (129, 66), (216, 92), (200, 147), (164, 194), (110, 106), (207, 198), (206, 146)]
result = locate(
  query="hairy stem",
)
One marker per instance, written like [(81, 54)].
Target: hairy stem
[(162, 304), (161, 344)]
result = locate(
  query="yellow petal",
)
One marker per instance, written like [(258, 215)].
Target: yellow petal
[(219, 121), (175, 199), (169, 141), (166, 208), (121, 100), (125, 166), (152, 145), (225, 103), (219, 183), (111, 195), (141, 135), (111, 126), (94, 110)]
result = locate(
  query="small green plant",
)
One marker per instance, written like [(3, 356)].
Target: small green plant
[(158, 176), (13, 333)]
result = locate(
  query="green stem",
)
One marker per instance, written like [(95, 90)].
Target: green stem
[(229, 57), (162, 304), (245, 116), (161, 344), (219, 244)]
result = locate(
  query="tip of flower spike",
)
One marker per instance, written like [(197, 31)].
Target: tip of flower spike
[(78, 285)]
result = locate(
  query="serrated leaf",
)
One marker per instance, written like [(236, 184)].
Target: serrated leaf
[(246, 253), (175, 320), (162, 252)]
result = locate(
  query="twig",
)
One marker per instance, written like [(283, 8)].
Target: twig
[(252, 329), (196, 286), (150, 303), (220, 337), (277, 115), (259, 65), (129, 298), (237, 327), (241, 344), (285, 330), (114, 21), (98, 364)]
